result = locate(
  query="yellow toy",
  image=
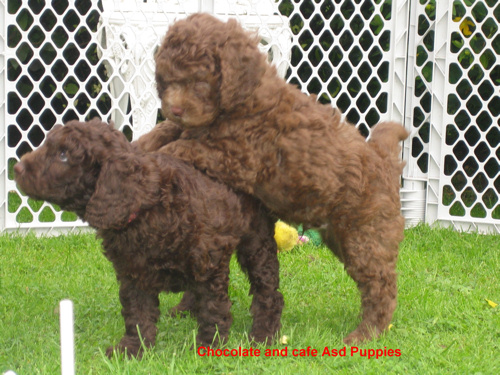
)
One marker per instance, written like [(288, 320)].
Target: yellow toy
[(286, 236)]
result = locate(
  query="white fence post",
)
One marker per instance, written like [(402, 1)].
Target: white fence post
[(3, 145), (66, 320)]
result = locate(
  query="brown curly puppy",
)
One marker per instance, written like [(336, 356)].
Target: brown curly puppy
[(165, 227), (235, 119)]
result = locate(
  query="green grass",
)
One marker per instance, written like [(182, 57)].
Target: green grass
[(443, 323)]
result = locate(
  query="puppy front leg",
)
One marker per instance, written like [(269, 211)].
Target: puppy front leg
[(162, 134), (225, 166), (213, 311), (194, 152), (140, 311)]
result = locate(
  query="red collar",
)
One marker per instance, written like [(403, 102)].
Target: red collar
[(132, 217)]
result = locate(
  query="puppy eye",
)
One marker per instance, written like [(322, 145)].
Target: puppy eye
[(63, 157)]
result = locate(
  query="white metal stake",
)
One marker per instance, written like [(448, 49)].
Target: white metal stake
[(67, 337)]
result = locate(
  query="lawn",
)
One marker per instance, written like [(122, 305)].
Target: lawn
[(443, 323)]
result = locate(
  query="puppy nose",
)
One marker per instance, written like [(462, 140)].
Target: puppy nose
[(19, 168), (177, 111)]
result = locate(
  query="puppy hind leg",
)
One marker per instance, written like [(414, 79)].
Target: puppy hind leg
[(371, 262), (186, 306), (258, 257), (329, 238)]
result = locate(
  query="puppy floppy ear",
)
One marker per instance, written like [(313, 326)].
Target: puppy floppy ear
[(242, 66), (125, 187)]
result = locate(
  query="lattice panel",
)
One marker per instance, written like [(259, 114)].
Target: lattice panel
[(66, 60), (92, 58), (54, 75), (422, 80), (454, 112), (130, 32), (470, 183), (343, 52)]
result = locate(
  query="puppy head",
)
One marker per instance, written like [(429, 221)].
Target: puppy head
[(64, 170), (206, 67)]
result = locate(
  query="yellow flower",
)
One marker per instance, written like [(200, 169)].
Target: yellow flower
[(284, 340), (466, 25), (491, 303)]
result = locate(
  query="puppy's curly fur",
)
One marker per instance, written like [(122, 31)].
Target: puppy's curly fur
[(232, 117), (165, 227)]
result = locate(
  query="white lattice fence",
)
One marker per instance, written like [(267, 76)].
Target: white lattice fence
[(93, 58), (374, 59), (51, 74), (344, 52), (453, 112)]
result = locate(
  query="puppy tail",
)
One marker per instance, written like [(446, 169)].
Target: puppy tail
[(385, 138)]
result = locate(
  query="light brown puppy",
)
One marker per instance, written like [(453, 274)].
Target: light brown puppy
[(235, 119)]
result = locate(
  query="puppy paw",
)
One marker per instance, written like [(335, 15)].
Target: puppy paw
[(361, 335), (262, 338), (129, 346), (127, 351)]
